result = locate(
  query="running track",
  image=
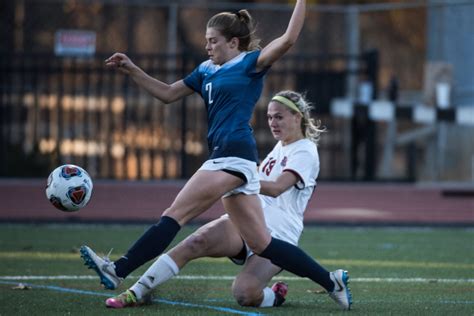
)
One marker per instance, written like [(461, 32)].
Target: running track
[(332, 203)]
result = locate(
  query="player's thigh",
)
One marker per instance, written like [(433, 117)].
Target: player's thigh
[(246, 213), (219, 238), (255, 275), (201, 192)]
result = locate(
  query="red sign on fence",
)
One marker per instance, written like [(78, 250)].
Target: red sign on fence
[(74, 43)]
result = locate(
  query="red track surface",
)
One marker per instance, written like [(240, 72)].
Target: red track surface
[(115, 201)]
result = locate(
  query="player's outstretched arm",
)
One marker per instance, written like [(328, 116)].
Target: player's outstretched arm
[(166, 93), (279, 46)]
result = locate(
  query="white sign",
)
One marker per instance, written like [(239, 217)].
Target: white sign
[(74, 43)]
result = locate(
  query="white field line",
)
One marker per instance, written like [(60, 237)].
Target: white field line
[(226, 278)]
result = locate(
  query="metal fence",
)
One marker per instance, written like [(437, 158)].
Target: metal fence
[(73, 110), (55, 110)]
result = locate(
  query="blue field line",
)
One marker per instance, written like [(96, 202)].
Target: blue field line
[(156, 300)]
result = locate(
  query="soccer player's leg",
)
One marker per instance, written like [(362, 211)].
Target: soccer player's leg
[(199, 193), (250, 287), (244, 212), (218, 238)]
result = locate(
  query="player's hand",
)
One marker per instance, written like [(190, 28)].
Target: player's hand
[(121, 62)]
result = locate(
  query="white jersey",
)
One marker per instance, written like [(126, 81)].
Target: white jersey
[(284, 214)]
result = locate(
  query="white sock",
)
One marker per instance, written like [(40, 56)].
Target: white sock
[(268, 297), (163, 269)]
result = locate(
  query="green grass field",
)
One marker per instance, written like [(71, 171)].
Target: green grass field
[(397, 271)]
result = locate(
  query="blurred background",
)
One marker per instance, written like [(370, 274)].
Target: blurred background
[(391, 80)]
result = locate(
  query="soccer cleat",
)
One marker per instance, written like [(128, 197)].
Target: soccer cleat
[(280, 289), (127, 299), (341, 293), (102, 266)]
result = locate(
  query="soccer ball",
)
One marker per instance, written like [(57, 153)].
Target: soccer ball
[(69, 188)]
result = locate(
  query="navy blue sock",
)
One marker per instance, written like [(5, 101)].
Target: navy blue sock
[(291, 258), (150, 245)]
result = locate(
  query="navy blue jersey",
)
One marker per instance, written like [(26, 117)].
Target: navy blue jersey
[(230, 93)]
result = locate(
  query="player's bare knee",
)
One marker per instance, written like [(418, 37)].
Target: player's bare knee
[(258, 245), (196, 244), (256, 248), (245, 294)]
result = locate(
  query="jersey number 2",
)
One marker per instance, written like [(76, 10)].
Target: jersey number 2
[(209, 90)]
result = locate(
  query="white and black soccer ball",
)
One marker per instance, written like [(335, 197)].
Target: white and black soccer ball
[(69, 188)]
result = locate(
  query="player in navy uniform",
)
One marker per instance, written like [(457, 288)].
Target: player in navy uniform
[(230, 173), (288, 178)]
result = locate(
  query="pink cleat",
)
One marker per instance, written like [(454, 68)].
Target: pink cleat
[(125, 299)]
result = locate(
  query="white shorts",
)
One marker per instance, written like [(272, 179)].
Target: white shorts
[(246, 167)]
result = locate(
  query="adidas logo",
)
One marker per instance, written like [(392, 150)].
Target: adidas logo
[(145, 285)]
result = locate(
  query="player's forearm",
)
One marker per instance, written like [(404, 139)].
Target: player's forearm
[(270, 188), (296, 23), (156, 88), (279, 46)]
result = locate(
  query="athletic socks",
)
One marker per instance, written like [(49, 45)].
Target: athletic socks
[(163, 269), (295, 260), (268, 298), (150, 245)]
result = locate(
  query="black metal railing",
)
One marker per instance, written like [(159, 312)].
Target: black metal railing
[(73, 110)]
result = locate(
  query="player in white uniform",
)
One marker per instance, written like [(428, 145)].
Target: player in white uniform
[(284, 213), (288, 179)]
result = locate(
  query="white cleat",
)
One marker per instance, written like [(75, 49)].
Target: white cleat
[(341, 294), (102, 266)]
